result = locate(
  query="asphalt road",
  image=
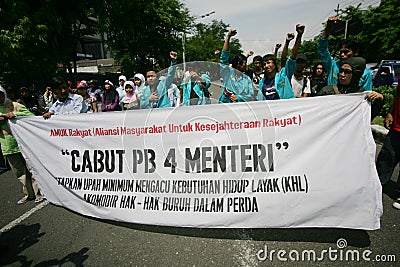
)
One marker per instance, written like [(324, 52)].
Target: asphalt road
[(48, 235)]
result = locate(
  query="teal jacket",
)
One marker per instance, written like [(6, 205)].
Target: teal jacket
[(282, 81), (162, 90), (332, 67), (241, 86), (201, 91)]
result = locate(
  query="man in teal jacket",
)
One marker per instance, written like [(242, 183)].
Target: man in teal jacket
[(276, 84), (238, 87), (348, 48), (195, 88), (155, 93)]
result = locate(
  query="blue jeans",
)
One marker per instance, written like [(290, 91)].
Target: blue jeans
[(388, 158)]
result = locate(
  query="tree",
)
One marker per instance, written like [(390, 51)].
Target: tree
[(141, 33), (380, 30), (35, 36), (206, 39)]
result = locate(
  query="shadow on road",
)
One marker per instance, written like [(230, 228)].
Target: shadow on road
[(15, 241), (77, 258), (20, 238)]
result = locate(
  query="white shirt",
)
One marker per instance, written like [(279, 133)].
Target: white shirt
[(297, 86)]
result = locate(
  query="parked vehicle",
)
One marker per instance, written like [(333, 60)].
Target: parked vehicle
[(387, 73)]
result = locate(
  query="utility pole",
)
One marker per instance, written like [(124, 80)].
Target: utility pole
[(184, 39), (337, 10)]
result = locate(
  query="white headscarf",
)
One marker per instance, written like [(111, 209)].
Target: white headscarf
[(129, 98), (143, 79)]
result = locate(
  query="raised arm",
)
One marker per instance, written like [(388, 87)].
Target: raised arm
[(289, 38), (300, 30), (327, 30), (231, 33), (172, 69)]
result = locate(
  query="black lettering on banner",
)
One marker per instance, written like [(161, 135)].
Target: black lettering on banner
[(98, 160), (219, 158), (242, 204), (192, 161), (251, 158), (147, 156), (170, 161)]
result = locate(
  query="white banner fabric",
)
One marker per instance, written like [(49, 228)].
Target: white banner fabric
[(290, 163)]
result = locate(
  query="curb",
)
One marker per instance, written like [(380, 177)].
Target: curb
[(379, 132)]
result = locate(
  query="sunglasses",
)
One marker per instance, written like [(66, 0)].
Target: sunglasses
[(346, 71), (345, 51)]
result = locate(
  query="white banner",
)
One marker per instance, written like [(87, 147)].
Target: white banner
[(289, 163)]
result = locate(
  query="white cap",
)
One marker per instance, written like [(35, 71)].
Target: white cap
[(122, 77)]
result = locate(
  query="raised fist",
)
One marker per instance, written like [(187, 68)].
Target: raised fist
[(251, 52), (331, 21), (173, 55), (232, 32), (300, 28), (289, 36)]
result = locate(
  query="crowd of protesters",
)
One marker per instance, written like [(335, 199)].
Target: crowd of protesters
[(266, 81)]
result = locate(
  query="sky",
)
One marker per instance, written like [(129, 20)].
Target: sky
[(263, 23)]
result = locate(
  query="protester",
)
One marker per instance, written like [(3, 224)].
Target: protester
[(121, 89), (238, 87), (110, 98), (317, 78), (155, 93), (10, 149), (348, 48), (389, 156), (46, 99), (131, 100), (90, 101), (257, 72), (299, 82), (13, 94), (276, 84), (26, 98), (94, 90), (349, 76), (66, 102), (139, 80), (195, 87), (174, 95)]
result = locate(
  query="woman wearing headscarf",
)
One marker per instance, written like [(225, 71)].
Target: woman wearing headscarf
[(140, 82), (10, 149), (131, 100), (110, 98), (350, 74)]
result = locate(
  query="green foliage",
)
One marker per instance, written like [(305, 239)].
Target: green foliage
[(309, 49), (36, 35), (141, 33), (388, 93), (381, 31), (206, 39)]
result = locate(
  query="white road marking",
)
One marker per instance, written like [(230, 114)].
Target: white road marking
[(23, 217)]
